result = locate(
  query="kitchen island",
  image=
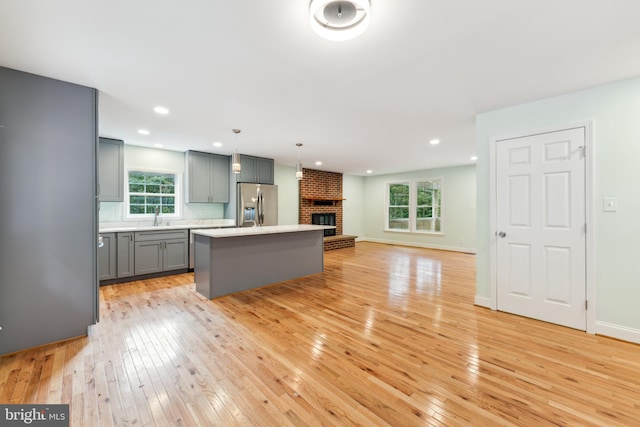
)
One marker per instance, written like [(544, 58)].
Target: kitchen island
[(231, 260)]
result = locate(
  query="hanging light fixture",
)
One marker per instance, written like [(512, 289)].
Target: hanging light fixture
[(299, 165), (235, 157)]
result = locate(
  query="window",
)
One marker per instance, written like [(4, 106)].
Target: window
[(398, 206), (414, 206), (428, 201), (150, 190)]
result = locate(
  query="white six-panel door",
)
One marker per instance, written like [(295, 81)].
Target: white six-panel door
[(540, 221)]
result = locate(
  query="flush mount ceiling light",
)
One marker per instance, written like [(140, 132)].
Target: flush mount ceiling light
[(161, 110), (339, 20)]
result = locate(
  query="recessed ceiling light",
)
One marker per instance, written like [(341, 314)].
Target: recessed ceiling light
[(217, 144), (474, 158), (369, 171), (318, 163), (143, 132), (434, 142), (161, 110), (158, 145)]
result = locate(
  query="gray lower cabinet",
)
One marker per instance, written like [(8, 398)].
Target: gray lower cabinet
[(111, 170), (158, 251), (126, 250), (107, 257)]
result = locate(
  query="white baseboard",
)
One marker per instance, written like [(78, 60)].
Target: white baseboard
[(482, 301), (616, 331), (419, 245)]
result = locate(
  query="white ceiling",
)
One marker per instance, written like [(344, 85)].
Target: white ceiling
[(422, 70)]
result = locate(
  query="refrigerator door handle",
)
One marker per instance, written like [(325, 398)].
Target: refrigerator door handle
[(260, 209)]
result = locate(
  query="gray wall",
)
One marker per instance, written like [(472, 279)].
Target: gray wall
[(615, 112), (48, 218)]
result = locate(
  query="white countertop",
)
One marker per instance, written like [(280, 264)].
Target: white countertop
[(253, 231), (174, 225)]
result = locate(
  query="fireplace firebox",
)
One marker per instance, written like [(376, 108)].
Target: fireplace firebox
[(325, 219)]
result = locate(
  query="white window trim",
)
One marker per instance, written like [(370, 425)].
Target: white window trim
[(178, 195), (386, 205), (413, 204)]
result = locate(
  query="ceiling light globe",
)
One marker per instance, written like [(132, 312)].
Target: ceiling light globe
[(339, 20)]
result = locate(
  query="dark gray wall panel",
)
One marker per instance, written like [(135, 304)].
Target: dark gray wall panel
[(48, 212)]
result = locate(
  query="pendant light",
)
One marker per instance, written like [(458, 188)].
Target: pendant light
[(299, 165), (235, 157)]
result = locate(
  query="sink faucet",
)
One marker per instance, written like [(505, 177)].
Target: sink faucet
[(157, 220)]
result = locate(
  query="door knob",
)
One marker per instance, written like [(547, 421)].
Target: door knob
[(502, 234)]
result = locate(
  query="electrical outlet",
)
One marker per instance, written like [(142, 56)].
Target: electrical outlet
[(609, 204)]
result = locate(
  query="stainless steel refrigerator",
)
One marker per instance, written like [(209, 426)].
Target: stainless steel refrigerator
[(257, 205)]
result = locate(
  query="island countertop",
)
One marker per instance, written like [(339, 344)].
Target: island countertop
[(253, 231)]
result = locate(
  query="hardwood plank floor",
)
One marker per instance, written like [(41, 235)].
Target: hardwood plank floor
[(386, 336)]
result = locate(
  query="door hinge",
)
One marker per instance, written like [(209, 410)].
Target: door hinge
[(586, 305), (585, 228)]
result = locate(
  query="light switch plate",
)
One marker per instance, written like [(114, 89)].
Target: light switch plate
[(609, 204)]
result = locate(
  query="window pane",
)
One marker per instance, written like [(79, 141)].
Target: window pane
[(168, 209), (136, 209), (424, 194), (151, 209), (167, 189), (136, 200), (424, 213), (136, 188), (168, 201), (154, 179), (153, 189), (399, 195), (151, 200), (136, 178), (395, 213), (399, 218)]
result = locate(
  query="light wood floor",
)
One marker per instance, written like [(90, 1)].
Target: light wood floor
[(385, 336)]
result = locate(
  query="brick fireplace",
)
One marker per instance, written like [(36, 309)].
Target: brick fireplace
[(320, 192)]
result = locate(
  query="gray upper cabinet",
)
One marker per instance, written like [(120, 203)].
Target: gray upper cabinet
[(258, 170), (111, 155), (207, 177)]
